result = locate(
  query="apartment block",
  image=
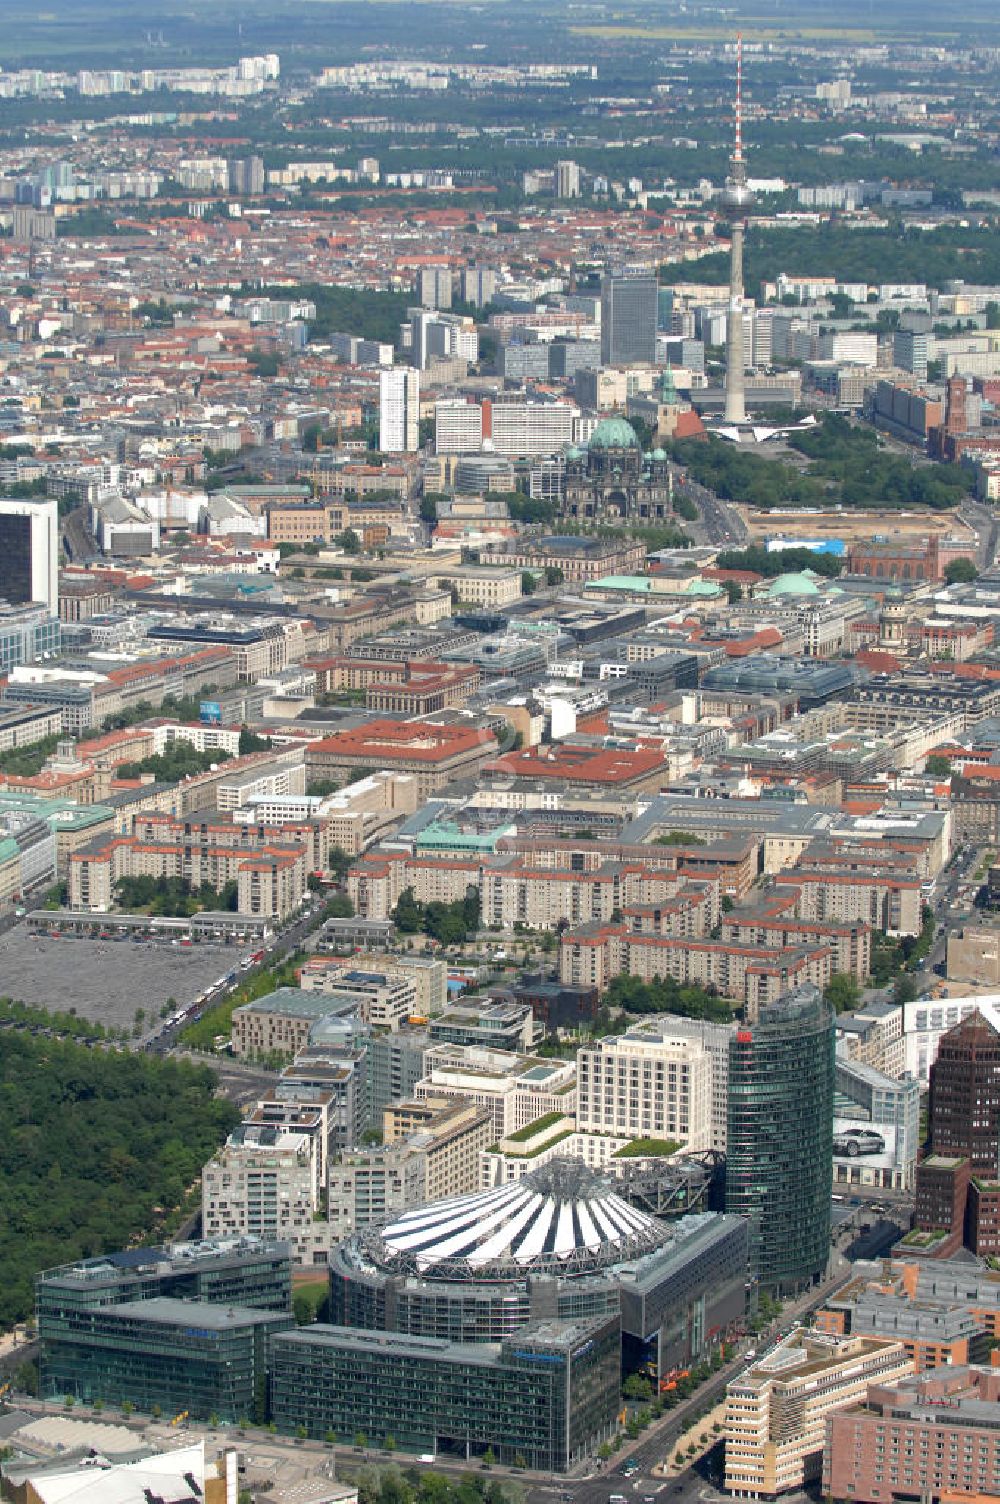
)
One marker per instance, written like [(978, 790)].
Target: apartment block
[(385, 997), (751, 975), (266, 1182), (428, 975), (885, 902), (850, 943), (269, 869), (431, 1150), (530, 891), (280, 1022)]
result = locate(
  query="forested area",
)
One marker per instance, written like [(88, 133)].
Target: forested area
[(846, 467), (782, 561), (99, 1149), (373, 315), (178, 760), (893, 254)]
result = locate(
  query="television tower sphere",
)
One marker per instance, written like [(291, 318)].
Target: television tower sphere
[(736, 199)]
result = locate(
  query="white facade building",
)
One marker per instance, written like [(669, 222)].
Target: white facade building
[(267, 1181), (399, 410), (29, 552), (654, 1084)]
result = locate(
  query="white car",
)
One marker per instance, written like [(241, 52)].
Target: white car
[(855, 1141)]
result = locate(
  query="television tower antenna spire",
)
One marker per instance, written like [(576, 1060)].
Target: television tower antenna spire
[(738, 153)]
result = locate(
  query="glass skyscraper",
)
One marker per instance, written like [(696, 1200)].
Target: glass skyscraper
[(628, 320), (779, 1164)]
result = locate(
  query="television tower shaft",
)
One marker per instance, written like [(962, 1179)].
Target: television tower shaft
[(737, 199)]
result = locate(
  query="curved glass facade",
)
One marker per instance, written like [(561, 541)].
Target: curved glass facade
[(779, 1169)]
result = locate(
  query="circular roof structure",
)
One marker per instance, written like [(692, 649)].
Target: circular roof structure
[(659, 454), (613, 433), (561, 1219), (794, 584)]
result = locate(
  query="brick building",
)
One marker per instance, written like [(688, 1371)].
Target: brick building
[(927, 1436)]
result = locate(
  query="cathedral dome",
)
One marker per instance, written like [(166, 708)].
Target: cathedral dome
[(613, 433)]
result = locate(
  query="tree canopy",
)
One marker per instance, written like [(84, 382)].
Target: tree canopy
[(846, 467), (665, 996), (98, 1150), (448, 923)]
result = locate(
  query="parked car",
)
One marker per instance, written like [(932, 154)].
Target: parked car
[(855, 1141)]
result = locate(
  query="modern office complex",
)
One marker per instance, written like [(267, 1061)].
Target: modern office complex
[(182, 1327), (780, 1138), (501, 1321), (545, 1398), (557, 1244), (174, 1354)]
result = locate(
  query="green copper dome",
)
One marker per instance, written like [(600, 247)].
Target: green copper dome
[(794, 584), (573, 453), (659, 454), (613, 433)]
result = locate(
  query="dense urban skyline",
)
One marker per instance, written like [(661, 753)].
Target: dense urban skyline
[(499, 723)]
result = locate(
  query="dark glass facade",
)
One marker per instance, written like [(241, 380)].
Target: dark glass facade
[(178, 1355), (15, 559), (779, 1168), (546, 1397), (965, 1095), (628, 321), (250, 1272), (200, 1348)]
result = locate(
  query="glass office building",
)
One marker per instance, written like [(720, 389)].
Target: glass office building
[(200, 1346), (175, 1354), (544, 1398), (628, 320), (244, 1271), (779, 1167)]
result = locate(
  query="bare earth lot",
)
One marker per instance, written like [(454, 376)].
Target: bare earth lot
[(107, 980)]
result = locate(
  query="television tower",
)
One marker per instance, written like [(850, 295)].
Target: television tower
[(736, 200)]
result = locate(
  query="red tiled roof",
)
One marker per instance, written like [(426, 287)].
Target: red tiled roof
[(582, 764), (416, 741)]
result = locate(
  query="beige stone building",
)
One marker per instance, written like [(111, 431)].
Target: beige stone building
[(646, 1086), (974, 955), (483, 587), (277, 1023), (776, 1411), (432, 1150), (515, 1089)]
